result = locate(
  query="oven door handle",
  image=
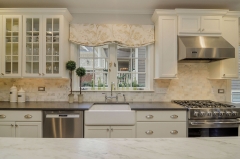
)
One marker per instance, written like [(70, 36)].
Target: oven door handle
[(212, 123)]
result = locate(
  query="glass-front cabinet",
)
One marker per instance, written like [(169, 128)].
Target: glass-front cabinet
[(12, 46), (32, 46), (51, 48)]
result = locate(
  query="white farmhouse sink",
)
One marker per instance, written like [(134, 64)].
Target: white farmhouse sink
[(110, 114)]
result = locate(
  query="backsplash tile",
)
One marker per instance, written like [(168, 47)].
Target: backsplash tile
[(192, 84)]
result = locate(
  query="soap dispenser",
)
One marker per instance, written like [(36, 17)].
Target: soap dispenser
[(13, 94)]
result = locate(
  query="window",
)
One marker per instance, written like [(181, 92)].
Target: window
[(126, 67)]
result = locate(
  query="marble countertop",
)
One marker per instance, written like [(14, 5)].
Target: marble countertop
[(84, 106), (165, 148)]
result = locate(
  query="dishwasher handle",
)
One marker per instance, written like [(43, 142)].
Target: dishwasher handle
[(62, 116)]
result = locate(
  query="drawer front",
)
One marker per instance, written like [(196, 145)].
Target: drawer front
[(12, 115), (162, 116), (161, 129)]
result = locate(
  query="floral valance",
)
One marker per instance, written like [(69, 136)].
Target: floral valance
[(122, 34)]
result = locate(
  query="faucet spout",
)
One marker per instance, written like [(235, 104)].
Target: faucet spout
[(112, 84)]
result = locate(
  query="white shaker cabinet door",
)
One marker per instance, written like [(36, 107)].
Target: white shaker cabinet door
[(1, 24), (211, 24), (189, 24), (122, 131), (97, 132), (7, 129), (166, 47), (29, 129)]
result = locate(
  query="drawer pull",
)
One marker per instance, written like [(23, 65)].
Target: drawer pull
[(16, 125), (28, 116), (149, 132), (149, 116), (174, 116), (2, 116), (174, 132), (107, 129)]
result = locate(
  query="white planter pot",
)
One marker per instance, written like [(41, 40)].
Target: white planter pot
[(70, 98), (80, 98)]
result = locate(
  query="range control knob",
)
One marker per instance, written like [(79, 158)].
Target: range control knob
[(215, 113), (209, 113), (234, 113), (221, 113), (202, 113), (195, 113), (228, 113)]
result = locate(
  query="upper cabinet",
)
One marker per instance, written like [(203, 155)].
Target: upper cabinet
[(199, 24), (36, 42), (11, 46)]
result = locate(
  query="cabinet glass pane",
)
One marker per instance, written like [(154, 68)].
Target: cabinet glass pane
[(36, 49), (15, 24), (8, 24), (28, 67), (49, 58), (29, 24), (49, 49), (15, 49), (8, 49), (36, 24), (35, 67), (55, 24), (29, 49), (28, 58), (49, 25), (14, 67), (49, 67), (56, 49), (8, 67), (55, 67)]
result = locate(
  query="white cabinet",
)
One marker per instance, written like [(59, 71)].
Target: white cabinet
[(27, 124), (1, 39), (228, 68), (109, 132), (11, 46), (161, 124), (199, 24), (35, 42), (166, 47)]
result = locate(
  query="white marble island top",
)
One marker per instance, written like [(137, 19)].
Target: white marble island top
[(170, 148)]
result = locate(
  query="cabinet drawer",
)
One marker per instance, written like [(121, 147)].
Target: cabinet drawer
[(161, 129), (161, 116), (9, 115)]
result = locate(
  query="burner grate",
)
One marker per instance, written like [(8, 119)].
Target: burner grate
[(202, 104)]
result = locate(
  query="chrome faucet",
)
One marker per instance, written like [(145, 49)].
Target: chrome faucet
[(111, 97)]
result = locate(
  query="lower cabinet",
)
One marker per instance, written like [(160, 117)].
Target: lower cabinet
[(109, 132), (161, 129), (24, 124), (21, 129)]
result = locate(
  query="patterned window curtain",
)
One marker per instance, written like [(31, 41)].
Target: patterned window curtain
[(122, 34)]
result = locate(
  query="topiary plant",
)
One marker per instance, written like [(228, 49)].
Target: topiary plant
[(71, 66), (81, 71)]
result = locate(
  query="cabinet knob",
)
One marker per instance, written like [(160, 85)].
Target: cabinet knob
[(223, 74), (12, 125), (16, 125), (149, 132), (149, 116), (174, 116), (43, 74), (2, 74), (199, 29), (39, 74), (202, 29), (2, 116), (28, 116), (111, 129), (174, 132), (107, 129)]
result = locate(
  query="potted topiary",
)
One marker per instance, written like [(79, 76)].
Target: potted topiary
[(80, 72), (71, 66)]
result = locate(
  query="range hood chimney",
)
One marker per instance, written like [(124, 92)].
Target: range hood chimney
[(204, 49)]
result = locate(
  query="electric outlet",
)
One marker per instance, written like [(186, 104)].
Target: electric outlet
[(41, 88), (220, 90)]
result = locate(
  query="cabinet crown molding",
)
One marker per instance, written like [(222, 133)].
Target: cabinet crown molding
[(37, 11), (162, 12), (202, 12)]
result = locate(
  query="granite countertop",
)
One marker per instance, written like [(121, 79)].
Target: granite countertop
[(157, 148), (84, 106)]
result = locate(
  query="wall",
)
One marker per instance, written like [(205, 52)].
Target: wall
[(82, 18), (192, 84)]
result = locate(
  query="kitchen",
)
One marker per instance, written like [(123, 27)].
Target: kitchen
[(187, 81)]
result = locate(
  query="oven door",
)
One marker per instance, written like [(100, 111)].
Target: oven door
[(213, 128)]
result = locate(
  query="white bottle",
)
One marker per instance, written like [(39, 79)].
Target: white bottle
[(21, 96), (13, 94)]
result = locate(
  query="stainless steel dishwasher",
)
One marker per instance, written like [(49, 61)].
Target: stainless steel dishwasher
[(62, 124)]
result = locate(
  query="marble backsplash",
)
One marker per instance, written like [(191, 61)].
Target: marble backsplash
[(192, 84)]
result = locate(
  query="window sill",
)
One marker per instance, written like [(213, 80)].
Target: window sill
[(114, 90)]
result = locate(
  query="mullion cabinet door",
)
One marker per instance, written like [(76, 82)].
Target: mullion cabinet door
[(32, 46), (12, 46), (51, 46)]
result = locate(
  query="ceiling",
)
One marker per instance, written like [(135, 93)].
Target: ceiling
[(124, 6)]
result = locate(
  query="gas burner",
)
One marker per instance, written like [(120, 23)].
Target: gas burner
[(202, 104)]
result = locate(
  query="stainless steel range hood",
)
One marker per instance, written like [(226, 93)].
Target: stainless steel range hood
[(204, 49)]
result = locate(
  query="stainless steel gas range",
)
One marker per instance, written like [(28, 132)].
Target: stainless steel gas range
[(211, 119)]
